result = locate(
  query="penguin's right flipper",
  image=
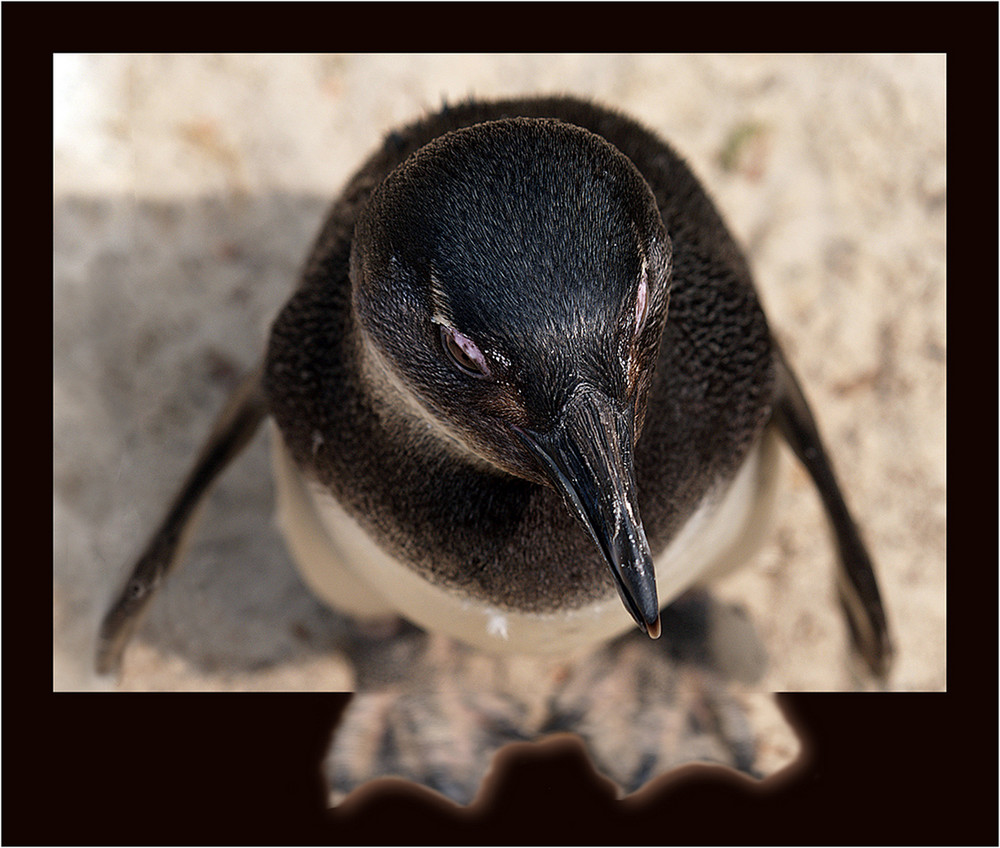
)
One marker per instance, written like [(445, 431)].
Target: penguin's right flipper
[(857, 585), (232, 431)]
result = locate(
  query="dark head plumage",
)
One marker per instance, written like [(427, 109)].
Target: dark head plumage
[(530, 237)]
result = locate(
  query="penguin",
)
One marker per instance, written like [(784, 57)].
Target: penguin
[(525, 394)]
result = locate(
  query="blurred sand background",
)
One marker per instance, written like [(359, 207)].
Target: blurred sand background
[(188, 191)]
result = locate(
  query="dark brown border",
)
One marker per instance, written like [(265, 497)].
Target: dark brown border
[(894, 769)]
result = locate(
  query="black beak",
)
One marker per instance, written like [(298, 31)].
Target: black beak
[(588, 458)]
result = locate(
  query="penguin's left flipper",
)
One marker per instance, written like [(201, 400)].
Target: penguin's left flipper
[(857, 585), (232, 431)]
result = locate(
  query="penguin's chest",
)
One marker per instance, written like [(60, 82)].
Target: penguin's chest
[(364, 569)]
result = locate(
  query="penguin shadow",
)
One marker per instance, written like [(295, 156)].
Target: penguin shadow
[(432, 711), (236, 611)]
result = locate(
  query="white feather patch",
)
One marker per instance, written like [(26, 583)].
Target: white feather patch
[(496, 625)]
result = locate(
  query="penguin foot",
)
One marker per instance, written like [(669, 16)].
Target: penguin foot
[(435, 712), (642, 713), (442, 740)]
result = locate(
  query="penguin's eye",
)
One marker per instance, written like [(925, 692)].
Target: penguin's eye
[(463, 353)]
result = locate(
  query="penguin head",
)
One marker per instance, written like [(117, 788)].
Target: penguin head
[(513, 277)]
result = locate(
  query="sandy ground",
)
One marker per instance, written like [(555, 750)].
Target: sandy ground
[(188, 190)]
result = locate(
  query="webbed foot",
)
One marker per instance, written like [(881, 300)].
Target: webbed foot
[(435, 712)]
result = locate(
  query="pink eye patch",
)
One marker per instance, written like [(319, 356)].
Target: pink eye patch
[(464, 353)]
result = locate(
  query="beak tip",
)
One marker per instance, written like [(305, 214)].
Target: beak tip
[(653, 628)]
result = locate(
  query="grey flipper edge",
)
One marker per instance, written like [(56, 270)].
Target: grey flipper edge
[(857, 586)]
